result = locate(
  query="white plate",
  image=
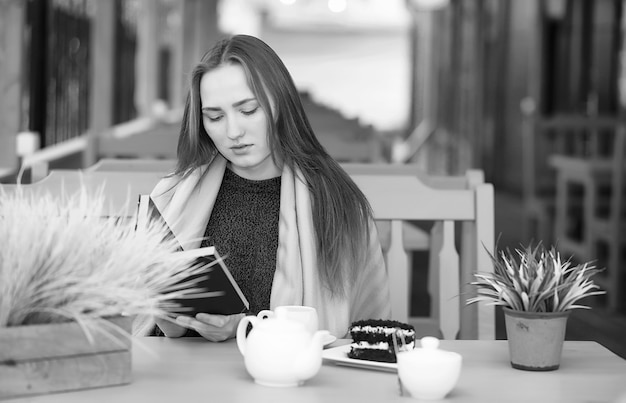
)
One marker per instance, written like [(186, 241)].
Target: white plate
[(329, 339), (339, 355)]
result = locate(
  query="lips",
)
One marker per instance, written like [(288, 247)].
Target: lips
[(240, 148)]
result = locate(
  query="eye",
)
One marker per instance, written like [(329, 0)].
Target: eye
[(214, 118), (249, 112)]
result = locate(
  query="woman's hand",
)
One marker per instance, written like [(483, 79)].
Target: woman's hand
[(169, 328), (212, 327)]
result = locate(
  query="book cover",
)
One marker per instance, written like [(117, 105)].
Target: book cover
[(220, 292), (148, 214)]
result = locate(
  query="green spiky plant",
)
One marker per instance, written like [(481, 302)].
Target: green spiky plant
[(535, 279), (62, 260)]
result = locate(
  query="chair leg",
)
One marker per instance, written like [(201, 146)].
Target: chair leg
[(615, 293)]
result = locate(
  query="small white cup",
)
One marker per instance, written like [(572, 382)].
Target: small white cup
[(306, 315), (429, 373)]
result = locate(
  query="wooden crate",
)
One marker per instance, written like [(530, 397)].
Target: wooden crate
[(39, 359)]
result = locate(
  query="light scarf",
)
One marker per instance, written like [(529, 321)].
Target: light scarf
[(186, 205)]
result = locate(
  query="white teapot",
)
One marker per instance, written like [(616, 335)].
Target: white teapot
[(278, 351)]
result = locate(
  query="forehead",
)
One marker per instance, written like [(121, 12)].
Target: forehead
[(224, 85)]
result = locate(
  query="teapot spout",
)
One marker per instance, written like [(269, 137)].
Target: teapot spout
[(309, 361)]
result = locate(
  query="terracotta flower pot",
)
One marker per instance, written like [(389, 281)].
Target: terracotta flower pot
[(535, 339)]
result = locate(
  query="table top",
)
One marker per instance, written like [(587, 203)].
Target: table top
[(191, 369)]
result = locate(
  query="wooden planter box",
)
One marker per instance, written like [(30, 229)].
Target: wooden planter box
[(40, 359)]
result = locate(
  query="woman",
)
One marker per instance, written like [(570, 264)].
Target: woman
[(253, 180)]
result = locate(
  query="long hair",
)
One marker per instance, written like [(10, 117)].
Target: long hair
[(341, 213)]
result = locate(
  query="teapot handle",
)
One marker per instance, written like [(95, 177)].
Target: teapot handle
[(241, 332), (266, 313)]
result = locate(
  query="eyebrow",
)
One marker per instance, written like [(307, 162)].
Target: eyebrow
[(236, 104)]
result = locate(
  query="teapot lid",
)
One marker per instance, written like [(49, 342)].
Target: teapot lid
[(430, 350), (429, 343)]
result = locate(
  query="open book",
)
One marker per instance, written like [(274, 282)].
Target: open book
[(223, 295)]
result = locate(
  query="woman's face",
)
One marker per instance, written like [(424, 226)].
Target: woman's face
[(236, 123)]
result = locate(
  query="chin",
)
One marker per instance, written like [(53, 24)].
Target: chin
[(248, 160)]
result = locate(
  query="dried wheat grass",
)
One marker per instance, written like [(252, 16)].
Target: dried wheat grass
[(61, 259)]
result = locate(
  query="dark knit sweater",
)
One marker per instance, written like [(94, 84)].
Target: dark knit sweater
[(244, 229)]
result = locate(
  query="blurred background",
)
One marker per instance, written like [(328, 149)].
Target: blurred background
[(531, 92)]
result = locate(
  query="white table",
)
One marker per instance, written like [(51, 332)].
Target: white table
[(187, 370)]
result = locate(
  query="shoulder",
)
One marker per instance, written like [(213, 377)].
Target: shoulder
[(173, 184)]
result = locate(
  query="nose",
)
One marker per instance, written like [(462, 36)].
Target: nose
[(234, 128)]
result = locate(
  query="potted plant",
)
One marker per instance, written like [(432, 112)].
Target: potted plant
[(537, 289), (71, 284)]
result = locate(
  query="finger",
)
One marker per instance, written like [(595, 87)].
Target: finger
[(214, 336), (170, 328), (186, 321), (208, 331), (194, 324), (215, 320)]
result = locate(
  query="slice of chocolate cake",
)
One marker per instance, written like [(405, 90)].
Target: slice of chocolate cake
[(372, 339)]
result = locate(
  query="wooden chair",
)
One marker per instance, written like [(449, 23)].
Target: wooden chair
[(345, 139), (394, 197), (611, 228), (596, 209), (416, 239), (121, 189), (537, 186), (140, 139), (400, 198), (163, 166)]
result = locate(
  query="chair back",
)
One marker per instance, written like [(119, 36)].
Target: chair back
[(399, 197), (402, 198), (164, 166), (121, 189)]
